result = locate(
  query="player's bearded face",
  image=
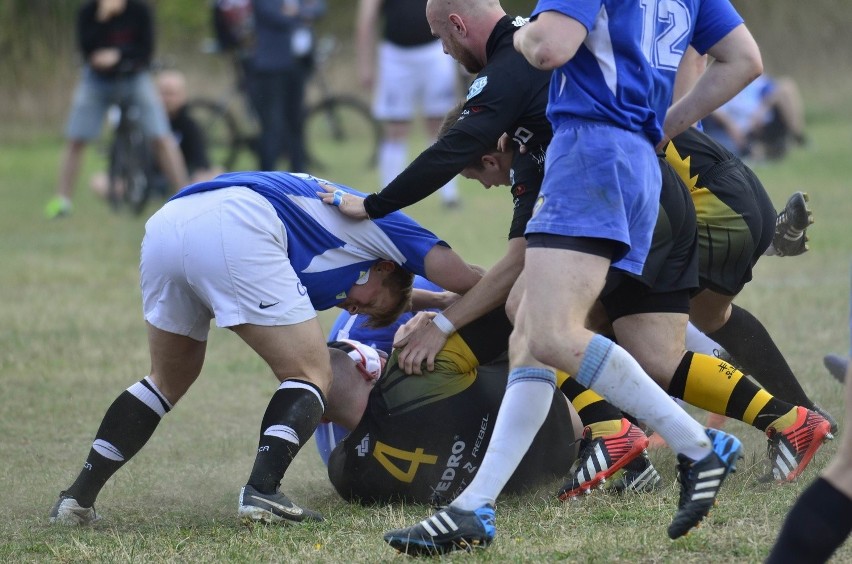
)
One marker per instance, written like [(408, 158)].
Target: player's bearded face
[(463, 55)]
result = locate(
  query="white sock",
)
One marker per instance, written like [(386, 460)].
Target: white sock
[(393, 156), (697, 341), (450, 192), (611, 372), (529, 393)]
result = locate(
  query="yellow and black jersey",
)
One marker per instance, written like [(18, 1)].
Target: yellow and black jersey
[(735, 216), (422, 438)]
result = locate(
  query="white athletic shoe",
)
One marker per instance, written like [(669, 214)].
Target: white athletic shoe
[(66, 511)]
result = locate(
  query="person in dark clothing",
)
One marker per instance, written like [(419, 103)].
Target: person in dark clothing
[(408, 73), (189, 136), (116, 41), (507, 96), (280, 67)]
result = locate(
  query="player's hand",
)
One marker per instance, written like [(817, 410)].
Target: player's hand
[(418, 320), (504, 144), (350, 205), (422, 344)]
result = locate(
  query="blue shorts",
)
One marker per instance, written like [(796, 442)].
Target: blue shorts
[(95, 94), (601, 181)]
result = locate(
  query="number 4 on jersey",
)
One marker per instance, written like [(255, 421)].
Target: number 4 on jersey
[(384, 453)]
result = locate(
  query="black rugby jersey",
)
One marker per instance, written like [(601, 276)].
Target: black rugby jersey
[(507, 96), (422, 438)]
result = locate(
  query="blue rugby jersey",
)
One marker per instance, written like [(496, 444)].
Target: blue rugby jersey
[(328, 250), (354, 327), (614, 79)]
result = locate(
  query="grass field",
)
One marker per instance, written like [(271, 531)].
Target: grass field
[(72, 338)]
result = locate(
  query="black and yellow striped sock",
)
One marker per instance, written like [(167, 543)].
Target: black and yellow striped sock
[(712, 384), (595, 412)]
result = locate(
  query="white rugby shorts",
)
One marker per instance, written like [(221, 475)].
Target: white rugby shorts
[(220, 254), (409, 78)]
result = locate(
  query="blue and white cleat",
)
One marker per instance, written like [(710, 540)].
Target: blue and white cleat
[(448, 529)]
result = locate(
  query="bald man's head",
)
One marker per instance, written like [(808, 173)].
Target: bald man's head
[(172, 87), (464, 26)]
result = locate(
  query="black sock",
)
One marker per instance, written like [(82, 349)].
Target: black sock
[(815, 527), (291, 417), (126, 427), (747, 340)]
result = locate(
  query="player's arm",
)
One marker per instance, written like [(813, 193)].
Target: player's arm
[(448, 270), (692, 66), (436, 166), (428, 299), (489, 293), (736, 62), (433, 168), (487, 337), (550, 40)]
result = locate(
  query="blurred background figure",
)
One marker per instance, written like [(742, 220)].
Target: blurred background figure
[(821, 519), (116, 41), (280, 67), (837, 365), (171, 85), (407, 72), (193, 146), (762, 121)]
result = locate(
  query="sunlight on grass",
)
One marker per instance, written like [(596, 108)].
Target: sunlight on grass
[(72, 338)]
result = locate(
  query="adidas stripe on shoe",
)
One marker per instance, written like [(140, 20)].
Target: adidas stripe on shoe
[(791, 450), (701, 480), (600, 458), (448, 529)]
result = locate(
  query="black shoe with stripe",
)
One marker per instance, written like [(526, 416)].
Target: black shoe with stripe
[(448, 529), (700, 481), (258, 507), (790, 226), (638, 475)]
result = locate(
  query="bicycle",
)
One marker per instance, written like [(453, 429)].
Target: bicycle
[(131, 162), (338, 128)]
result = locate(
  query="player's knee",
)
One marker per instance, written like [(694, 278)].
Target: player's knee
[(318, 377), (549, 348)]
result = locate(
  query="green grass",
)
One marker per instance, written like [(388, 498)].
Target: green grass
[(72, 337)]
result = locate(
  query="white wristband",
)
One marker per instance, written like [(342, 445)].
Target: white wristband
[(444, 325)]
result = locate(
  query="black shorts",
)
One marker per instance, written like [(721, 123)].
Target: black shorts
[(670, 274), (736, 223)]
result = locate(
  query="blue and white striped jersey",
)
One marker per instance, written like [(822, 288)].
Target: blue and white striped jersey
[(328, 250), (624, 71)]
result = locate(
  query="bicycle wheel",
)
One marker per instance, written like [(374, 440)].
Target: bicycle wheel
[(130, 170), (120, 168), (141, 172), (341, 130), (220, 131)]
